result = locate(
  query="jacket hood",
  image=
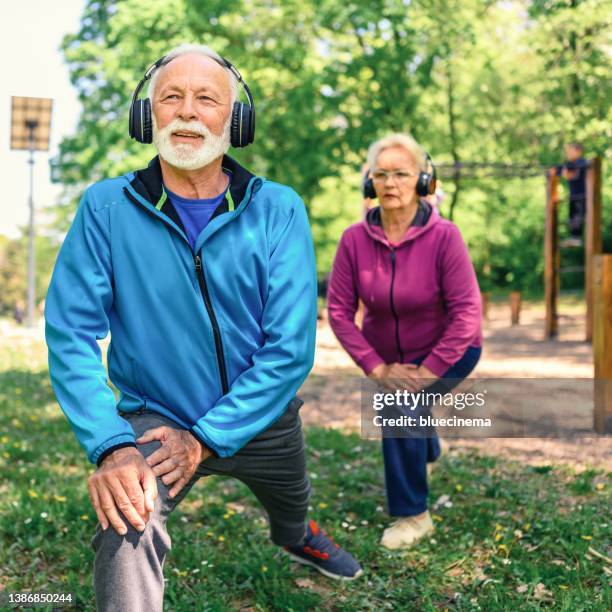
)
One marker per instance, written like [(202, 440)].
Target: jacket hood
[(425, 219)]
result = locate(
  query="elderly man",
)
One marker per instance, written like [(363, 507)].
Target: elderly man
[(204, 275)]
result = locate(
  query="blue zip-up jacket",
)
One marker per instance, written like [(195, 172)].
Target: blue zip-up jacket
[(218, 338)]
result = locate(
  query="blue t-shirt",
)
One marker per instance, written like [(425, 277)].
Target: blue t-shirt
[(195, 214)]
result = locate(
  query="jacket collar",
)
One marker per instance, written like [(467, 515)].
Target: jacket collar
[(148, 183), (424, 219)]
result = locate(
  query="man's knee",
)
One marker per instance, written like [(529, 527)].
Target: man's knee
[(128, 569), (155, 536)]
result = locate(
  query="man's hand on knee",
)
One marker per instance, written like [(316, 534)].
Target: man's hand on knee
[(124, 482), (178, 457)]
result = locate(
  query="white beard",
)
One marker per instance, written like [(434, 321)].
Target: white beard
[(185, 156)]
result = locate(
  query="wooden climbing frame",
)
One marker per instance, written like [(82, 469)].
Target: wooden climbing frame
[(592, 247)]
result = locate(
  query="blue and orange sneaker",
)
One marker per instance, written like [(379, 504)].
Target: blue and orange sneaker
[(321, 552)]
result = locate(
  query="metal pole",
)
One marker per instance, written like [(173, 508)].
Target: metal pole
[(31, 256)]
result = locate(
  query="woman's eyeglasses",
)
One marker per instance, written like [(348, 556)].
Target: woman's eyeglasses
[(381, 176)]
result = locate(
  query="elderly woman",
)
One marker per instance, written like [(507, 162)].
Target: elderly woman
[(422, 319)]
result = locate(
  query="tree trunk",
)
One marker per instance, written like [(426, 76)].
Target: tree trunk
[(450, 93)]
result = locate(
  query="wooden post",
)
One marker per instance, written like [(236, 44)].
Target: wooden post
[(602, 342), (515, 307), (484, 298), (592, 237), (360, 314), (551, 255)]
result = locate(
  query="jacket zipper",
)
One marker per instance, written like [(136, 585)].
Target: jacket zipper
[(207, 301), (213, 320), (397, 338)]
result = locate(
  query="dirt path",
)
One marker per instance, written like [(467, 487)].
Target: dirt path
[(332, 391)]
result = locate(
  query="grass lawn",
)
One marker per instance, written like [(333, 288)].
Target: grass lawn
[(508, 536)]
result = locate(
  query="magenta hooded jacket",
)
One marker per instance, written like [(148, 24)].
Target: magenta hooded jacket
[(421, 295)]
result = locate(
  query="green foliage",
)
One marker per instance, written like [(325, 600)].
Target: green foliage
[(489, 81), (571, 41), (14, 270)]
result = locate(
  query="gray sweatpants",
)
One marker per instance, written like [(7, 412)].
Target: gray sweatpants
[(128, 570)]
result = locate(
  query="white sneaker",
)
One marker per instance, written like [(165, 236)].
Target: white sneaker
[(406, 531)]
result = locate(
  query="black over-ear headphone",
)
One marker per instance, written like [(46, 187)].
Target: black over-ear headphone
[(242, 130), (426, 184)]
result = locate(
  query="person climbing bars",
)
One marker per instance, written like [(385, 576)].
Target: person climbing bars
[(573, 170)]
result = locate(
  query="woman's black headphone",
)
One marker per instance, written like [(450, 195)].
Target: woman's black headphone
[(426, 184), (242, 131)]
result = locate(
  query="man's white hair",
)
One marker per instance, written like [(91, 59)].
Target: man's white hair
[(184, 49), (405, 141)]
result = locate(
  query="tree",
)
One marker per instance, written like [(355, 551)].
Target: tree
[(473, 80), (14, 270)]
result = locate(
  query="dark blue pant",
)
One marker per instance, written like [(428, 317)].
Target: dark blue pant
[(406, 458)]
